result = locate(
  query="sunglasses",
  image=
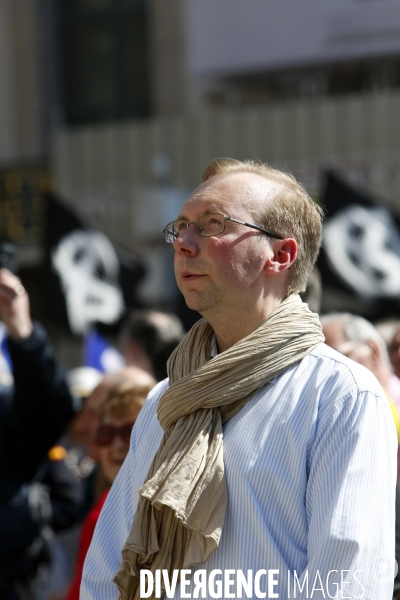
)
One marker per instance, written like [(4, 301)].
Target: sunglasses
[(106, 434)]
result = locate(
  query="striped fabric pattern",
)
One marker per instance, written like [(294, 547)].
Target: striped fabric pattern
[(311, 473)]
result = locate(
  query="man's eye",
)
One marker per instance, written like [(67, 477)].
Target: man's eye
[(181, 225), (213, 221)]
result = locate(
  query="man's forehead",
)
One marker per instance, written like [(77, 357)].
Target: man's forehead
[(245, 189)]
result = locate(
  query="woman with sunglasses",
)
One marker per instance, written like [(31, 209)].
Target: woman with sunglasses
[(119, 413)]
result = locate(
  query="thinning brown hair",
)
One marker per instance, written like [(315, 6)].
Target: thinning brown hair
[(291, 214)]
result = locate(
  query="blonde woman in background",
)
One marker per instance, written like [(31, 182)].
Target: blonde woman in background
[(119, 413)]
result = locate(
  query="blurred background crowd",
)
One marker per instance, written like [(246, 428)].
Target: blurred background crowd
[(109, 112)]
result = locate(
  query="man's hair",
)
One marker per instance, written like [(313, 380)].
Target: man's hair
[(357, 329), (292, 213), (158, 333), (125, 395)]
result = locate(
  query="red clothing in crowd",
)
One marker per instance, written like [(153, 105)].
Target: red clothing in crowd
[(87, 532)]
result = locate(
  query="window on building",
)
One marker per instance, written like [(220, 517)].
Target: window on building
[(350, 77), (104, 60)]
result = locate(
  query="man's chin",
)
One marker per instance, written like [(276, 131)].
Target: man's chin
[(194, 302), (202, 307), (202, 300), (193, 306)]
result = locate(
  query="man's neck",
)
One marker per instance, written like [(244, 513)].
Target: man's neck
[(230, 329)]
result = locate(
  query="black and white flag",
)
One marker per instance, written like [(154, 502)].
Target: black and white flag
[(361, 248), (86, 280)]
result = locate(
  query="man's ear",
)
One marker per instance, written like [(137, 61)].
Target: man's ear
[(285, 253)]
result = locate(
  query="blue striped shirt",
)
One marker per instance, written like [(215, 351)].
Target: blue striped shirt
[(311, 471)]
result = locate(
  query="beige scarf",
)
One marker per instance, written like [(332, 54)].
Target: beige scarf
[(181, 509)]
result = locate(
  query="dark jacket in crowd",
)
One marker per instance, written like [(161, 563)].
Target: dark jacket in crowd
[(37, 495)]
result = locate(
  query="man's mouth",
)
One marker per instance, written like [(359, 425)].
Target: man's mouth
[(189, 276)]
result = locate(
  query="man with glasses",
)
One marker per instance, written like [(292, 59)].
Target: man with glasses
[(266, 461)]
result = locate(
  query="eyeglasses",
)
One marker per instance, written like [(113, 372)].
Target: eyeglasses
[(106, 434), (207, 226)]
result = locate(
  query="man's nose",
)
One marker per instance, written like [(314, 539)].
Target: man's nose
[(187, 240)]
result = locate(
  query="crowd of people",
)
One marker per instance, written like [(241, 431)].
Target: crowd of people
[(64, 436)]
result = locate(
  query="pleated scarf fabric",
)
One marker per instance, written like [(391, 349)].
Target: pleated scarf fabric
[(181, 509)]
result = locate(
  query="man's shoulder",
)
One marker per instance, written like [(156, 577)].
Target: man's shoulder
[(155, 394), (341, 371), (148, 414)]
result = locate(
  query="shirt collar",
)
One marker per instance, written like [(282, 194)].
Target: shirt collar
[(214, 348)]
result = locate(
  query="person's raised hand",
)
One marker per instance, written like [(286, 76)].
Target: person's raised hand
[(14, 306)]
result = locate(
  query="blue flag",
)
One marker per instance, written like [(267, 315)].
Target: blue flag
[(100, 355), (5, 359)]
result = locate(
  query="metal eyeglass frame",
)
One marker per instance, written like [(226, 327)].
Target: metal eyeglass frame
[(166, 231)]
